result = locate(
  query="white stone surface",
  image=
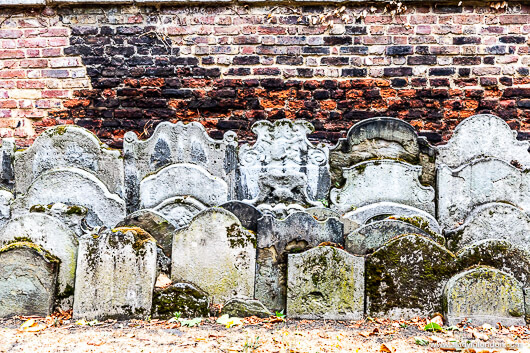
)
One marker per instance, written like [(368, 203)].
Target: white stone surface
[(481, 136), (73, 147), (182, 180), (6, 197), (216, 254), (382, 180), (74, 186), (180, 210), (116, 272), (479, 182)]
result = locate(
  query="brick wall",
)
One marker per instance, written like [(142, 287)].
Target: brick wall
[(115, 69)]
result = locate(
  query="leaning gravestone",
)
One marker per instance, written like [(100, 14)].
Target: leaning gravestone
[(51, 234), (115, 277), (492, 221), (325, 283), (73, 147), (484, 295), (406, 276), (283, 166), (27, 280), (382, 180), (216, 254), (278, 237), (77, 187), (381, 138), (479, 182), (175, 144), (484, 136)]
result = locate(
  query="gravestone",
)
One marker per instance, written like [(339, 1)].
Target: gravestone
[(372, 236), (325, 283), (492, 221), (278, 237), (484, 136), (215, 253), (381, 138), (283, 166), (484, 295), (69, 146), (321, 214), (74, 187), (71, 216), (27, 280), (179, 210), (245, 307), (405, 277), (115, 277), (181, 298), (7, 172), (379, 181), (247, 214), (175, 144), (50, 234), (479, 182)]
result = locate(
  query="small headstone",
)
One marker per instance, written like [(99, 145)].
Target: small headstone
[(27, 280), (495, 220), (278, 237), (484, 295), (182, 298), (406, 276), (372, 236), (321, 214), (482, 136), (74, 187), (176, 144), (476, 183), (179, 210), (382, 180), (216, 254), (72, 147), (115, 277), (325, 283), (51, 234), (245, 307), (247, 214), (71, 216)]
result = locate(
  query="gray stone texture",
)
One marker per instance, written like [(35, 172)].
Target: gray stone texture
[(115, 277), (482, 136), (7, 153), (216, 254), (71, 216), (484, 295), (382, 180), (27, 280), (183, 298), (247, 214), (479, 182), (245, 307), (325, 283), (175, 144), (278, 237), (321, 214), (73, 147), (6, 197), (179, 210)]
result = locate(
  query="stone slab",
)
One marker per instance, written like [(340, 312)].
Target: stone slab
[(321, 214), (216, 254), (182, 298), (325, 283), (180, 210), (245, 307), (116, 272), (247, 214), (382, 181), (484, 295)]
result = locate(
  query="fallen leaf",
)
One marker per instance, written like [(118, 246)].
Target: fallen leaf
[(32, 326), (386, 348)]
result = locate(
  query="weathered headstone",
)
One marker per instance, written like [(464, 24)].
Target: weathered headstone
[(479, 182), (115, 277), (278, 237), (484, 295), (71, 216), (245, 307), (321, 214), (181, 298), (325, 283), (175, 144), (27, 280), (247, 214), (482, 136), (216, 254), (179, 210), (283, 166), (382, 180), (382, 210), (406, 276), (381, 138), (51, 234), (372, 236), (491, 221), (72, 147), (73, 187), (6, 197)]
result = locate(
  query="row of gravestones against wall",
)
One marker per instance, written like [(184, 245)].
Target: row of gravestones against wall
[(68, 165)]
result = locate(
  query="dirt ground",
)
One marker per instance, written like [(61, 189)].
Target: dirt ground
[(55, 334)]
